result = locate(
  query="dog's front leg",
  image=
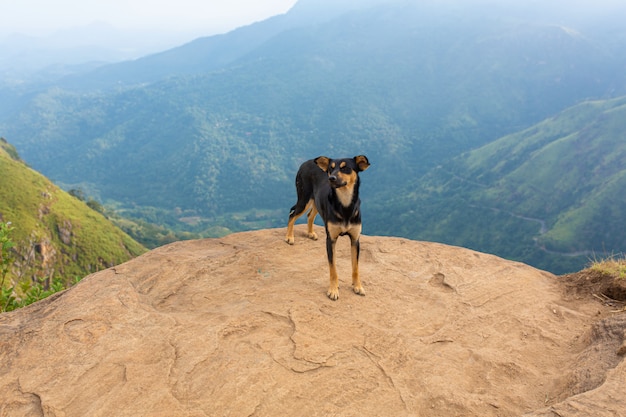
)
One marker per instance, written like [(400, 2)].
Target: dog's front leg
[(355, 248), (333, 289)]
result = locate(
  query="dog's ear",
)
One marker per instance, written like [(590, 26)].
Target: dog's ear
[(362, 162), (322, 162)]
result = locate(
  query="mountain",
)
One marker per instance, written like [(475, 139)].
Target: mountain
[(27, 57), (211, 52), (217, 128), (56, 236), (552, 195)]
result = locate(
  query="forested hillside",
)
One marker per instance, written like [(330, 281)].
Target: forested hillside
[(213, 132), (58, 238), (552, 195)]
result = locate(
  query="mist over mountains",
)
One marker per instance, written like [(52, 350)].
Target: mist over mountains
[(217, 127), (45, 58)]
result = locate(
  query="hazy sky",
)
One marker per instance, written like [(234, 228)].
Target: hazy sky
[(41, 17)]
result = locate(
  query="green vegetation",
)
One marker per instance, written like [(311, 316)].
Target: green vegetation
[(6, 261), (454, 106), (155, 227), (550, 196), (50, 239), (12, 297), (613, 266), (229, 137), (9, 149)]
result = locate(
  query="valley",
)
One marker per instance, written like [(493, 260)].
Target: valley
[(523, 106)]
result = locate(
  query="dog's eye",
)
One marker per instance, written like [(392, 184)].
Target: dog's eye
[(346, 170)]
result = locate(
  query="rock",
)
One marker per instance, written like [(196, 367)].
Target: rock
[(241, 326), (65, 232)]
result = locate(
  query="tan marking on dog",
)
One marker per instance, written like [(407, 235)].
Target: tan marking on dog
[(322, 162), (357, 287), (345, 193), (310, 219), (333, 289), (362, 162), (334, 231), (289, 238)]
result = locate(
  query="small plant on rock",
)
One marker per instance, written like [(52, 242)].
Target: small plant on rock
[(614, 266), (7, 297)]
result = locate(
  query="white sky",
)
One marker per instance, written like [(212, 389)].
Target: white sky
[(41, 17)]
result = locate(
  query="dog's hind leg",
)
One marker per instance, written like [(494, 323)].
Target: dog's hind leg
[(295, 212), (310, 219)]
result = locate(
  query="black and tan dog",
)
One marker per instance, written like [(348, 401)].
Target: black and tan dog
[(330, 187)]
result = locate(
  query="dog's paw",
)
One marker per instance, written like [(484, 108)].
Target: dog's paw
[(290, 240), (358, 290), (312, 235), (333, 293)]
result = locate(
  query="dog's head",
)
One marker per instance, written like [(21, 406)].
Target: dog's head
[(342, 172)]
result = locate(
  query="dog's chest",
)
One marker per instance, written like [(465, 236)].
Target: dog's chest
[(341, 229), (345, 195), (347, 215)]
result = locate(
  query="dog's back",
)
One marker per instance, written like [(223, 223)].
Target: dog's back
[(308, 179)]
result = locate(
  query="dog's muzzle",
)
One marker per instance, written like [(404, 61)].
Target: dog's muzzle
[(334, 182)]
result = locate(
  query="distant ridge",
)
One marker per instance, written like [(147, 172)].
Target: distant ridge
[(209, 53), (412, 85)]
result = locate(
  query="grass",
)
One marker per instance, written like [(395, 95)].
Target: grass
[(49, 238), (613, 265)]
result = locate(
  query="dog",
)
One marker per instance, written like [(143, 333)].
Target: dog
[(330, 187)]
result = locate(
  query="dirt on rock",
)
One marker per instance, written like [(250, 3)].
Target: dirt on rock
[(609, 289), (241, 326)]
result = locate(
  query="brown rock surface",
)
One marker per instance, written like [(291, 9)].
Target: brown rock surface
[(241, 326)]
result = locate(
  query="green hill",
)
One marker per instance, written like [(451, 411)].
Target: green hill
[(551, 195), (211, 134), (411, 84), (57, 236)]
